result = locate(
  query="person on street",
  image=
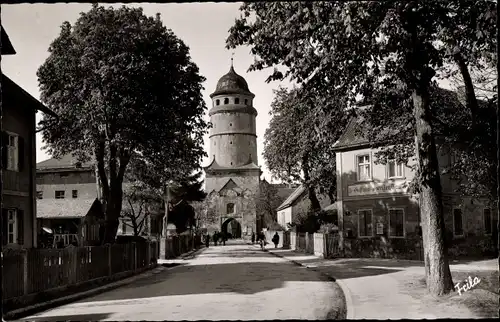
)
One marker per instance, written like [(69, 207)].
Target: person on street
[(276, 240), (253, 237), (224, 238), (262, 239), (207, 240), (216, 238)]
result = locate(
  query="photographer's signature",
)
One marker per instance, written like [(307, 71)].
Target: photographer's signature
[(469, 283)]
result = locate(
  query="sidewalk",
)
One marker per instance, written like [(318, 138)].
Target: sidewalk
[(395, 289)]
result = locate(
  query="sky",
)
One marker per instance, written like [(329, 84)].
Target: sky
[(202, 26)]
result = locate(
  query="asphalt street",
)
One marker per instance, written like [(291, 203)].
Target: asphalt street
[(232, 282)]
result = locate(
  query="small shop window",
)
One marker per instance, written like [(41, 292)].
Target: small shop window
[(458, 229), (487, 220), (396, 222), (365, 223)]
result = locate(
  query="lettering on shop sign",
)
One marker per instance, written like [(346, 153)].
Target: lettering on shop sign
[(373, 188), (469, 283)]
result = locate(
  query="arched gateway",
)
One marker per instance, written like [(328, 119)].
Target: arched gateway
[(232, 228)]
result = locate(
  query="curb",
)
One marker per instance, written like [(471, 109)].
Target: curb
[(347, 294), (44, 306)]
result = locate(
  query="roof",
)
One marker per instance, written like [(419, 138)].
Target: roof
[(250, 165), (231, 83), (63, 208), (292, 198), (7, 48), (10, 89), (333, 206), (351, 137), (65, 162)]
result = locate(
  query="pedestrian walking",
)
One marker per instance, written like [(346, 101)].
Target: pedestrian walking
[(276, 240), (207, 240), (216, 238), (253, 237), (224, 239)]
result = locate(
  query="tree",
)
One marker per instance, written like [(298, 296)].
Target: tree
[(122, 84), (138, 199), (360, 48), (267, 201), (205, 215), (298, 142)]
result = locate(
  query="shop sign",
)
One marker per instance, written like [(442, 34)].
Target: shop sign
[(373, 188)]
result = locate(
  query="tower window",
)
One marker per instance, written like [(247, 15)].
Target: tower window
[(231, 163), (230, 124), (230, 208), (236, 100), (246, 101), (226, 101), (217, 102), (230, 142)]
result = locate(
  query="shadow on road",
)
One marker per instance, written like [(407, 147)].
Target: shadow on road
[(76, 317)]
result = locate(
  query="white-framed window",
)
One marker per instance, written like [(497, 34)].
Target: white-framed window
[(487, 223), (396, 222), (365, 223), (59, 194), (458, 228), (11, 226), (364, 167), (13, 152), (395, 169)]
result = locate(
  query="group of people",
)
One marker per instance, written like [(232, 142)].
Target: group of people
[(216, 236), (261, 239)]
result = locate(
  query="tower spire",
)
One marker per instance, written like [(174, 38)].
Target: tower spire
[(232, 55)]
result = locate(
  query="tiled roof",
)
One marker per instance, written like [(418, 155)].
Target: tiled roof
[(292, 198), (63, 208), (351, 137), (12, 92), (67, 161)]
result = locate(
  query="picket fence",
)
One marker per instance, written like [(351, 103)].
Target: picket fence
[(319, 244), (31, 271)]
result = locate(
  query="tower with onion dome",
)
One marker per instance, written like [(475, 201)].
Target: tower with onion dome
[(232, 178)]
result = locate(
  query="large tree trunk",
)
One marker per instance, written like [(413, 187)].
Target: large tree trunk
[(437, 270), (311, 192)]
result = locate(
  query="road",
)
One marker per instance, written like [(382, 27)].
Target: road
[(232, 282)]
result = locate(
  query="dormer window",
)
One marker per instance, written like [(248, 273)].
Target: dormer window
[(217, 102), (236, 100), (226, 101)]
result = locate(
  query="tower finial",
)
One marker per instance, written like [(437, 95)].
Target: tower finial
[(232, 55)]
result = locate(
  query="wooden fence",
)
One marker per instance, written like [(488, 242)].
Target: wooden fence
[(37, 270), (181, 244)]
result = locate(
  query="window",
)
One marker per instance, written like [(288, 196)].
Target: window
[(11, 226), (364, 172), (246, 101), (230, 142), (396, 222), (236, 100), (39, 194), (12, 152), (458, 229), (365, 223), (226, 101), (230, 208), (217, 102), (487, 220), (394, 169), (230, 124), (59, 194), (74, 193)]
